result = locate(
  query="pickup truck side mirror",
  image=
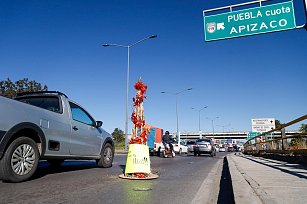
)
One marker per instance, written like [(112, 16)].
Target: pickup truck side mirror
[(98, 124)]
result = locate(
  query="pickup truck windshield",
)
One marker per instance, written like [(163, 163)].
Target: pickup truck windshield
[(50, 103)]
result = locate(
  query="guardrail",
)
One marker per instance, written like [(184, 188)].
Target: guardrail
[(284, 144)]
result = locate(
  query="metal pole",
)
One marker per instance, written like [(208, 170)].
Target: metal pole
[(200, 133), (212, 129), (177, 117), (305, 4), (127, 83), (199, 120), (232, 6), (199, 128), (283, 135), (127, 97)]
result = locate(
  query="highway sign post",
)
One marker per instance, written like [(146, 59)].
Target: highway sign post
[(252, 21), (263, 124)]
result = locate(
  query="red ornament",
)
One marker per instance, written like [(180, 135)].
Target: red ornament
[(137, 116)]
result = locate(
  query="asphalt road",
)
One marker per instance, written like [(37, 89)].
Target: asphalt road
[(82, 182)]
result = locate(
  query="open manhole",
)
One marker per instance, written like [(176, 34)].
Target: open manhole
[(142, 189)]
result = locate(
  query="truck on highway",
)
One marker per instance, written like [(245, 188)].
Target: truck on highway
[(155, 140), (47, 125)]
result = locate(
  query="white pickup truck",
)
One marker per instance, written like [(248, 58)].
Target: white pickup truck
[(47, 125)]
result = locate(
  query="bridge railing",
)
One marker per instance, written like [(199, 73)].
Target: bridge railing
[(284, 144)]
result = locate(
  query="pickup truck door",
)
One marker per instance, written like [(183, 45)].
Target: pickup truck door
[(85, 138)]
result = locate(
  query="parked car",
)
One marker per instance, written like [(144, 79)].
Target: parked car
[(204, 146), (191, 145), (47, 125)]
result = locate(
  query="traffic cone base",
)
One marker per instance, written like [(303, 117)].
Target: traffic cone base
[(138, 160)]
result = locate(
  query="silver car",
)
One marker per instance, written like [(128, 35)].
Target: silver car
[(191, 145), (204, 146)]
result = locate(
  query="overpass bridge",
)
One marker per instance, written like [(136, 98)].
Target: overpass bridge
[(227, 137)]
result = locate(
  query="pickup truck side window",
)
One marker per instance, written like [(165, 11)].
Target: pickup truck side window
[(80, 115), (46, 102)]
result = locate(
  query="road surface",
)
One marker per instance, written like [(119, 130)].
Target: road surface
[(83, 182)]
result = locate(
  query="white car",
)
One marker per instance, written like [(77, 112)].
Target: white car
[(222, 149), (180, 149)]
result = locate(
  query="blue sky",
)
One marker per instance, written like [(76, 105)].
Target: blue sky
[(58, 43)]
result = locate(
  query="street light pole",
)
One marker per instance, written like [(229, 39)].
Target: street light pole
[(127, 100), (177, 117), (199, 129), (212, 119), (177, 129), (223, 126), (127, 82)]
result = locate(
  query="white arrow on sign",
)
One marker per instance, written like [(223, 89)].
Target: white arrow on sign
[(220, 26)]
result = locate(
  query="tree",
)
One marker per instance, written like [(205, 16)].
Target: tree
[(118, 135), (303, 128), (299, 141), (11, 89), (278, 124)]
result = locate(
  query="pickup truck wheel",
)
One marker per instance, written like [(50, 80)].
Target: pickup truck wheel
[(55, 162), (107, 155), (19, 161)]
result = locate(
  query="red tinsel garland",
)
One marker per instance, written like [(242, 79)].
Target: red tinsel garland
[(138, 122)]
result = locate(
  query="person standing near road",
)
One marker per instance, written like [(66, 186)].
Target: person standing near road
[(166, 139)]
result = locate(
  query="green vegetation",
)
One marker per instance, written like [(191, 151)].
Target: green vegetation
[(278, 124), (119, 139), (303, 128), (118, 135), (300, 142), (119, 145), (10, 89)]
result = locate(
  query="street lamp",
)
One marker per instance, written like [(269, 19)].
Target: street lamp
[(223, 126), (212, 119), (127, 85), (199, 120), (176, 94)]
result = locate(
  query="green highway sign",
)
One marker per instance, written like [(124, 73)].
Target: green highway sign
[(251, 135), (264, 19)]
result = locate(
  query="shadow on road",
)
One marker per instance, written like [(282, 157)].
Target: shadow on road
[(44, 168), (202, 155), (226, 195), (122, 167), (280, 166)]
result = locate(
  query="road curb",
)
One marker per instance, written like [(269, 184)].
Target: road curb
[(121, 152), (243, 192), (209, 189)]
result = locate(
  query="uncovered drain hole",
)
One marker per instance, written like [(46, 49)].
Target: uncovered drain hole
[(142, 189)]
